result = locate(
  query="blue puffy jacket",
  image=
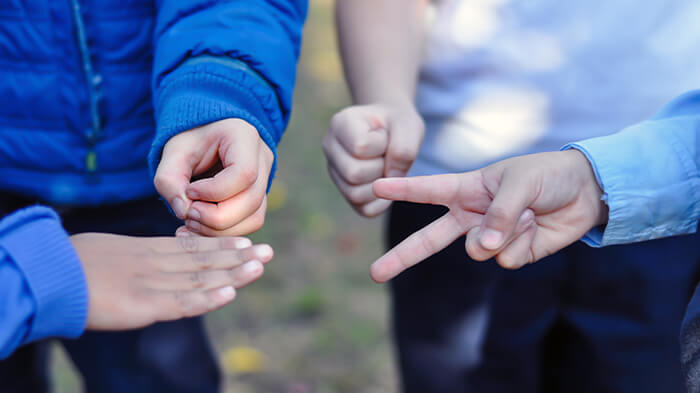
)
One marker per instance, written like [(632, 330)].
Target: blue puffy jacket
[(89, 87)]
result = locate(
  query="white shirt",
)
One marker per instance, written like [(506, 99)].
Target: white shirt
[(509, 77)]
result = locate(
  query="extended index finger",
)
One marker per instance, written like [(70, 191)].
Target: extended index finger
[(417, 247), (435, 190)]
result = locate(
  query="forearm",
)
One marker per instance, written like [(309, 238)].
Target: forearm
[(381, 45), (221, 60)]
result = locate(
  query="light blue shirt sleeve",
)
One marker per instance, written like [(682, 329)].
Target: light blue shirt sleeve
[(650, 175)]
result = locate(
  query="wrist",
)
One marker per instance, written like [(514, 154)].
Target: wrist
[(404, 110), (398, 104), (589, 186)]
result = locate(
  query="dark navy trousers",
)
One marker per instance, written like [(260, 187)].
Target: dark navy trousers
[(172, 357), (583, 320)]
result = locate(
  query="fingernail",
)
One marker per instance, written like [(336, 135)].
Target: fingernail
[(526, 218), (226, 293), (193, 226), (179, 207), (395, 173), (252, 266), (194, 214), (264, 252), (243, 242), (192, 194), (183, 233), (490, 239)]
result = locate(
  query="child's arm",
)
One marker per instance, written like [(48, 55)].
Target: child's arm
[(381, 44), (643, 183), (53, 285), (223, 77), (494, 207), (43, 292)]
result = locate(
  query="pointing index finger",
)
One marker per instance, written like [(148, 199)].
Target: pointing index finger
[(434, 190)]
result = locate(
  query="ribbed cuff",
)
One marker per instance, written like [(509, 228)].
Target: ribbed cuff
[(202, 93), (40, 247)]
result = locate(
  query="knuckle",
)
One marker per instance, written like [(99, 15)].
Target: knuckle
[(354, 175), (474, 251), (427, 243), (248, 174), (360, 147), (256, 198), (365, 211), (155, 264), (196, 280), (161, 182), (202, 259), (335, 120), (498, 214), (217, 222), (507, 261), (354, 195), (188, 303), (199, 308), (188, 243), (258, 220), (404, 153), (181, 301), (339, 120)]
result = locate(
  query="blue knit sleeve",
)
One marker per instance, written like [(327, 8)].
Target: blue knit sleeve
[(43, 292), (225, 59)]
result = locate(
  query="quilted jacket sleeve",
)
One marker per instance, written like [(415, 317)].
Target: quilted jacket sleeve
[(225, 59)]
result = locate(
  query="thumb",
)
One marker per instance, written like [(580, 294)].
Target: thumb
[(405, 138), (171, 180), (513, 197)]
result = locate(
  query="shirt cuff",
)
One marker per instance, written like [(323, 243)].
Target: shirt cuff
[(41, 249), (644, 196), (202, 92), (594, 237)]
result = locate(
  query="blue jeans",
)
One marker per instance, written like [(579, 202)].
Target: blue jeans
[(172, 357), (582, 320)]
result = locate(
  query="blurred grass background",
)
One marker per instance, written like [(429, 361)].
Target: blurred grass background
[(315, 322)]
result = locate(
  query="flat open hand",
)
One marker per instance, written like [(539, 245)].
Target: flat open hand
[(134, 282), (518, 210)]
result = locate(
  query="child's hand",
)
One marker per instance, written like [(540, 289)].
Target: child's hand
[(366, 143), (134, 282), (233, 165), (494, 207)]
